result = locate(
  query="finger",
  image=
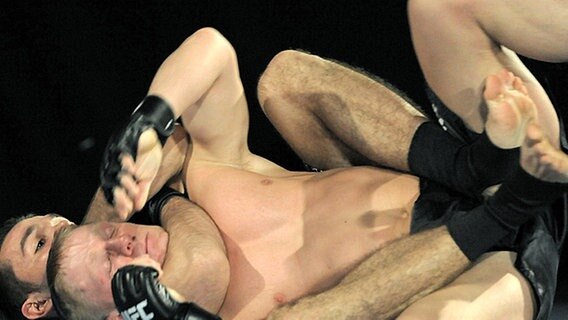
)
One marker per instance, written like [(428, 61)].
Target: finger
[(128, 164), (129, 185), (122, 203), (142, 195), (176, 295)]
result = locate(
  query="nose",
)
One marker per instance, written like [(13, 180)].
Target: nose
[(122, 245)]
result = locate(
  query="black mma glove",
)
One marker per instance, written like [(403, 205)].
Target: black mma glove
[(157, 202), (153, 112), (139, 295)]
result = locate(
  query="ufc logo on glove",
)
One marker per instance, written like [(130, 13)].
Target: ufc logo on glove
[(137, 312)]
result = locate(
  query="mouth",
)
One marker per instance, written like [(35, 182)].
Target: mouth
[(151, 247)]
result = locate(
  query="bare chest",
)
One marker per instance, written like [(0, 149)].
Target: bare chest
[(289, 235)]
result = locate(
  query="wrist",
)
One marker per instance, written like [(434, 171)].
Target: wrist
[(158, 204), (157, 112)]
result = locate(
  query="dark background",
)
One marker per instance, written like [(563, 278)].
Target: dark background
[(71, 71)]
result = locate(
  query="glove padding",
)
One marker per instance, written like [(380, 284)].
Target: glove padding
[(153, 112), (157, 202), (139, 295)]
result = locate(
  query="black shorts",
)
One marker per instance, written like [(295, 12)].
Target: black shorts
[(538, 243)]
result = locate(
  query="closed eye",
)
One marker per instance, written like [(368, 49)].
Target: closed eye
[(109, 265), (110, 232)]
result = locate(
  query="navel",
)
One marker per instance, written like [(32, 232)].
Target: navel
[(266, 182)]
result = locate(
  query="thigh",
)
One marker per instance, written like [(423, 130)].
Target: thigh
[(457, 53), (491, 289), (536, 29), (333, 115)]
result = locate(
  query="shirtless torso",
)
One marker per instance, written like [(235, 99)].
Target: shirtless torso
[(289, 234)]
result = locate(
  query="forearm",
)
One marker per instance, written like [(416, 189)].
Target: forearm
[(196, 264), (173, 159), (387, 282), (192, 69), (100, 210)]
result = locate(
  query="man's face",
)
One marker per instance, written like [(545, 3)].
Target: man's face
[(93, 254), (27, 246)]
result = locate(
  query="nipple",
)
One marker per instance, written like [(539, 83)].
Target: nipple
[(280, 298)]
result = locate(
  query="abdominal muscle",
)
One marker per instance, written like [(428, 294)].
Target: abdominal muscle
[(293, 234)]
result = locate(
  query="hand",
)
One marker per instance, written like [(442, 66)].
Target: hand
[(132, 156), (137, 293), (136, 176)]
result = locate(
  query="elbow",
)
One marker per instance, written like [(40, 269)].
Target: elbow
[(209, 37)]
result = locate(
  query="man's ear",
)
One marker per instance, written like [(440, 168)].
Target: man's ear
[(37, 305), (114, 315)]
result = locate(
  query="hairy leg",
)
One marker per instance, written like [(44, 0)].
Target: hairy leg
[(460, 42), (386, 282), (491, 289), (353, 119), (393, 278), (308, 98)]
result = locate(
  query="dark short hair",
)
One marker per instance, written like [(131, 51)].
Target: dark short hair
[(67, 304), (13, 291)]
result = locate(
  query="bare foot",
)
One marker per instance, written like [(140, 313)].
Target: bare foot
[(541, 159), (509, 109)]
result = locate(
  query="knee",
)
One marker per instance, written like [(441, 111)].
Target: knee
[(517, 296), (278, 77), (270, 79), (513, 294)]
